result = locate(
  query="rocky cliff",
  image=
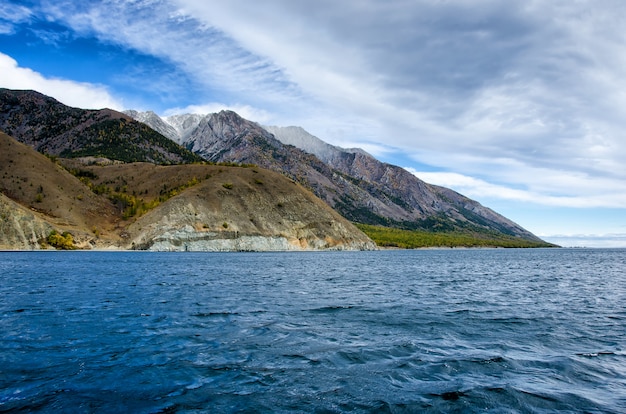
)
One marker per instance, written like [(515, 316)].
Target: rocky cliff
[(254, 210), (21, 228)]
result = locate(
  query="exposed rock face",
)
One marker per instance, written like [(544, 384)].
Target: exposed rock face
[(20, 228), (299, 138), (256, 213), (155, 122), (184, 126)]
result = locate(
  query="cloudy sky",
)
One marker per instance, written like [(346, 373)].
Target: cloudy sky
[(520, 105)]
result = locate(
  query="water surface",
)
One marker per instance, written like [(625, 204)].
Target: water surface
[(494, 330)]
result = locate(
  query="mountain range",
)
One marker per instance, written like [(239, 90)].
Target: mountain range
[(357, 185), (351, 182)]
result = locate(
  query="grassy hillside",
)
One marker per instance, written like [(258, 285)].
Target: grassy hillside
[(198, 205), (413, 239), (136, 188)]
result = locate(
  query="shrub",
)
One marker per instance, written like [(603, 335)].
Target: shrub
[(64, 241)]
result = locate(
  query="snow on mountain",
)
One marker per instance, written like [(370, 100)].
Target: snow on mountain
[(299, 138), (183, 128), (155, 122), (178, 128), (184, 125)]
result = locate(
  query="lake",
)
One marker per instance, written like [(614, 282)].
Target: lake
[(453, 330)]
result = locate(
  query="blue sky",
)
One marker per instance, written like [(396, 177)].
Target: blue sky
[(520, 105)]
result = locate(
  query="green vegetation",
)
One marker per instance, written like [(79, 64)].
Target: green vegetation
[(63, 241), (132, 206), (40, 195), (227, 186), (233, 164), (413, 239), (129, 141), (129, 204)]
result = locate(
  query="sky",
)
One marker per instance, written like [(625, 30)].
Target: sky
[(518, 104)]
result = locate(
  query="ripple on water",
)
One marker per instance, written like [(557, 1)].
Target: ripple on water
[(418, 331)]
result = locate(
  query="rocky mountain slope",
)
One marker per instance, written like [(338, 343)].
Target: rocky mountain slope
[(357, 163), (175, 127), (20, 228), (196, 207), (56, 129), (354, 183)]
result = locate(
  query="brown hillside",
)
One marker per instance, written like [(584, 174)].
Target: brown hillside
[(39, 184), (207, 204)]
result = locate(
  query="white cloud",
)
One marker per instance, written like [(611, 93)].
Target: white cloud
[(539, 84), (213, 60), (12, 14), (77, 94), (588, 240), (482, 190)]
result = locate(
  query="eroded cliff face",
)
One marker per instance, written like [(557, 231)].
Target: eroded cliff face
[(20, 229), (255, 213), (191, 239)]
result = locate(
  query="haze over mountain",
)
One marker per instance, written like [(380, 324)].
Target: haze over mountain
[(351, 181)]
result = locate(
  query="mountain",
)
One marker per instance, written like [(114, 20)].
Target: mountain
[(38, 195), (429, 199), (358, 186), (80, 203), (56, 129)]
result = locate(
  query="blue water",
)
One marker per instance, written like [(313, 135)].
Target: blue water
[(496, 331)]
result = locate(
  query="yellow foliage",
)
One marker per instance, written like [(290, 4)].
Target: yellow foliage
[(63, 241)]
